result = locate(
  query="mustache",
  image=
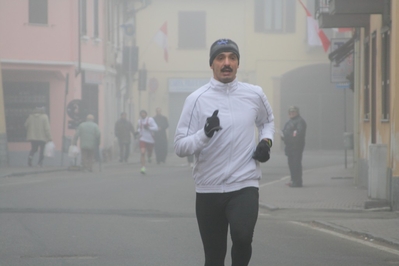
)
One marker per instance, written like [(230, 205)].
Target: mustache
[(227, 69)]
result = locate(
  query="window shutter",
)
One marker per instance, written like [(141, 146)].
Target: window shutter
[(290, 18), (259, 15)]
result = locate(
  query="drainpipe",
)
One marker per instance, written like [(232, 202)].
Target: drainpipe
[(3, 129), (77, 72)]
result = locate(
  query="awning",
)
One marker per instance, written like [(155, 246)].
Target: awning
[(342, 52)]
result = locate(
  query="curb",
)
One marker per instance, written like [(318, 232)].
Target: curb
[(345, 230), (32, 172), (271, 207)]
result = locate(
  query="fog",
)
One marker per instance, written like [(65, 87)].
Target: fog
[(106, 57)]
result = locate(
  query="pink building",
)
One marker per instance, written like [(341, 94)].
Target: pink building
[(47, 61)]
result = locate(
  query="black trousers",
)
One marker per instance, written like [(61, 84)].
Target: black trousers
[(215, 212), (35, 145), (124, 151), (295, 165)]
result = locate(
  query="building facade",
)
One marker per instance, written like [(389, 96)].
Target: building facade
[(66, 56), (275, 54), (126, 55), (375, 50)]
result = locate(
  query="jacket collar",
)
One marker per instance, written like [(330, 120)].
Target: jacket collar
[(215, 84)]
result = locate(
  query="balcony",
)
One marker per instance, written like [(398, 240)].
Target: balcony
[(356, 7), (332, 19)]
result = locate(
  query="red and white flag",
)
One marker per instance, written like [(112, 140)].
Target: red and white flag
[(316, 36), (161, 38)]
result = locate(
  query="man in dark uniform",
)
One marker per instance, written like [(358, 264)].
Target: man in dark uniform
[(294, 138)]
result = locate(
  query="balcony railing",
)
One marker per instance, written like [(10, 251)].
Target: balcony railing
[(321, 6)]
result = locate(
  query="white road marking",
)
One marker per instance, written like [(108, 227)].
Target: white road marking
[(275, 181), (340, 235)]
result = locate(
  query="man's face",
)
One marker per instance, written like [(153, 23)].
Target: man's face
[(225, 67), (292, 114), (143, 115)]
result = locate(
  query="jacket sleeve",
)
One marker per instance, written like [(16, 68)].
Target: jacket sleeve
[(152, 125), (190, 136), (301, 129), (265, 119)]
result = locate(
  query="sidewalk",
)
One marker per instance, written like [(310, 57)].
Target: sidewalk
[(332, 189), (21, 171), (325, 189)]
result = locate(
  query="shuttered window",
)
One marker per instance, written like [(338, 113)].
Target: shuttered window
[(95, 14), (38, 12), (275, 16), (192, 30)]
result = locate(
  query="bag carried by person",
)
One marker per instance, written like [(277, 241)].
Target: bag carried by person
[(73, 151), (49, 149)]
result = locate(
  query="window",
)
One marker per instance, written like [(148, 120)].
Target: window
[(366, 86), (95, 14), (20, 98), (83, 17), (38, 13), (275, 16), (192, 31), (385, 75)]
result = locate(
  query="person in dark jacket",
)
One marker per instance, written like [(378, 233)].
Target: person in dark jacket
[(160, 137), (123, 131), (294, 133)]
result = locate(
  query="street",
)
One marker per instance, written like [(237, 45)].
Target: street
[(120, 217)]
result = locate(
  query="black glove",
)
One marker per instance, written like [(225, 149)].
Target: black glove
[(262, 152), (212, 124)]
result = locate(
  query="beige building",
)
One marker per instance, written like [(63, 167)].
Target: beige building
[(275, 54), (375, 46)]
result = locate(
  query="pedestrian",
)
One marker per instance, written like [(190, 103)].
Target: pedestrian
[(123, 131), (146, 127), (89, 136), (217, 125), (38, 133), (160, 137), (294, 133)]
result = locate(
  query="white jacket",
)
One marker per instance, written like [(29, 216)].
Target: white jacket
[(224, 162), (147, 134)]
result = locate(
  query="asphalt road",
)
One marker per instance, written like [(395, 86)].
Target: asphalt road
[(119, 217)]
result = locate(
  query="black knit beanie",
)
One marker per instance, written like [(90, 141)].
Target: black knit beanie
[(223, 45)]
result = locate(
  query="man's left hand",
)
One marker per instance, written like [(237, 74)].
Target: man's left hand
[(262, 152)]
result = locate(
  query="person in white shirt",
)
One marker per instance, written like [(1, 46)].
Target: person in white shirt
[(146, 127), (217, 126)]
